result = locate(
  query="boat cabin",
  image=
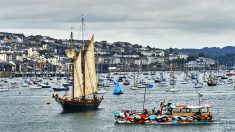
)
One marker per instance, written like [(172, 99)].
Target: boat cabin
[(184, 110)]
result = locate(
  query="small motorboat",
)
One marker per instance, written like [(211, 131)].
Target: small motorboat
[(120, 79), (36, 86), (4, 89), (173, 90), (126, 82), (24, 84), (224, 77), (163, 83), (46, 85), (61, 89), (221, 82), (184, 81), (101, 91), (157, 80), (134, 88), (211, 83), (141, 85)]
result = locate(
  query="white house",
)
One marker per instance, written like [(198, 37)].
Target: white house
[(3, 57), (32, 53)]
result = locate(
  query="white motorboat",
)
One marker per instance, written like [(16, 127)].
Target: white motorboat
[(36, 87), (4, 89)]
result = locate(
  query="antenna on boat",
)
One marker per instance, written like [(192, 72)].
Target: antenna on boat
[(144, 96), (199, 101)]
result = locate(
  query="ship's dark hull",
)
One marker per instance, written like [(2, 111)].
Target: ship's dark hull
[(60, 89), (224, 77), (78, 105), (126, 83), (46, 86), (119, 93), (211, 84)]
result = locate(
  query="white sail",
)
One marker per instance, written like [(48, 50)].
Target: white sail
[(90, 69), (77, 76)]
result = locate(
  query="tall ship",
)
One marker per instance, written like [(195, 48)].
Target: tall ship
[(85, 84)]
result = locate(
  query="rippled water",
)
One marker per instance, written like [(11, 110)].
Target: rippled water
[(24, 109)]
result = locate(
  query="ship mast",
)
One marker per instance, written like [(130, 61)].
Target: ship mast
[(70, 47), (83, 58)]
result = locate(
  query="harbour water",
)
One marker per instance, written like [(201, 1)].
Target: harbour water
[(24, 109)]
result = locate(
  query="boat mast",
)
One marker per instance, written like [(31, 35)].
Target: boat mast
[(73, 60), (172, 66), (134, 80), (83, 57)]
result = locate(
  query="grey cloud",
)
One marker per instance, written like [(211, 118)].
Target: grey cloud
[(156, 18)]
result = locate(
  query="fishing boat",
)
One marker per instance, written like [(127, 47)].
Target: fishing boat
[(167, 113), (117, 89), (85, 83)]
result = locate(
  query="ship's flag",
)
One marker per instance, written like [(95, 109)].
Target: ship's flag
[(200, 95), (149, 85)]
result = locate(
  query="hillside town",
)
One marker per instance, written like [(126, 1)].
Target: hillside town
[(20, 53)]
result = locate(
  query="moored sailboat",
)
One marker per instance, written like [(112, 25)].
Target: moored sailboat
[(117, 89)]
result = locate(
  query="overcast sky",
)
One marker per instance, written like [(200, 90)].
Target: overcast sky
[(158, 23)]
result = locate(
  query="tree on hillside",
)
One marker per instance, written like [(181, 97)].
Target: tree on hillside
[(191, 58), (201, 55)]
